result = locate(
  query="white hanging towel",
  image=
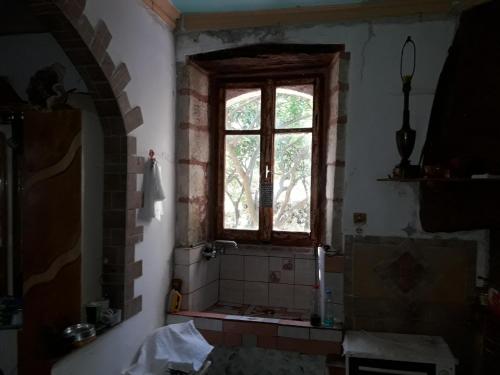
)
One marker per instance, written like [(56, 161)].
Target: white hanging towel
[(153, 192), (174, 347)]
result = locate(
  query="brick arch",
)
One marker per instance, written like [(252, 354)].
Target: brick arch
[(86, 47)]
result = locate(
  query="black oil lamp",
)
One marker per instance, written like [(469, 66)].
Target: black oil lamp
[(405, 137)]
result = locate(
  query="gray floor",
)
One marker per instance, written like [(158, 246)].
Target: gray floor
[(258, 361)]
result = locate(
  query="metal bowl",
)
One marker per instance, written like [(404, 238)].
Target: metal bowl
[(79, 333)]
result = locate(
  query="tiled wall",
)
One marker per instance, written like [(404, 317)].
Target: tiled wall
[(255, 275), (418, 286), (200, 278), (267, 276), (283, 335)]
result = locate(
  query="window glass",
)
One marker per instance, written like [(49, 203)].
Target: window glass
[(241, 182), (292, 182), (294, 107), (243, 109)]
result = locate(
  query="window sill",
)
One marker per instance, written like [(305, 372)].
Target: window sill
[(272, 250)]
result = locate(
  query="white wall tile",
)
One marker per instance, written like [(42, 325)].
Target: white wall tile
[(188, 255), (210, 324), (231, 291), (281, 270), (326, 335), (231, 267), (256, 293), (338, 313), (213, 270), (281, 295), (302, 296), (174, 319), (209, 295), (304, 272), (293, 332), (335, 282), (256, 268)]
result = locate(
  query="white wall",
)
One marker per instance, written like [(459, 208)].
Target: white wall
[(23, 55), (374, 109), (147, 47)]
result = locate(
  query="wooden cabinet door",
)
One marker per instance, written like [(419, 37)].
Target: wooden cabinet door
[(51, 235)]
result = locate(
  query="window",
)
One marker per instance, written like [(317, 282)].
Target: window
[(269, 168)]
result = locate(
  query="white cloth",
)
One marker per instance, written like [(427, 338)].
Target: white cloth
[(176, 346), (152, 191)]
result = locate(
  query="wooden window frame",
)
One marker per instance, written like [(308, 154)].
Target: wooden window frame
[(268, 83)]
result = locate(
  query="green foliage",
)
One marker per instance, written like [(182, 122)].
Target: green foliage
[(292, 164)]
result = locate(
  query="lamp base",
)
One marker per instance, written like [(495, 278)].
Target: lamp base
[(406, 171)]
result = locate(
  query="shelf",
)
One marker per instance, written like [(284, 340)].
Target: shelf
[(423, 179)]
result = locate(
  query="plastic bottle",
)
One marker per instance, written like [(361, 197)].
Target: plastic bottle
[(315, 313), (329, 318)]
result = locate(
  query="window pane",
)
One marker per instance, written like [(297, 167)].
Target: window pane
[(292, 182), (243, 109), (241, 182), (294, 107)]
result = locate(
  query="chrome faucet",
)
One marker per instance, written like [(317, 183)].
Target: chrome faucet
[(217, 247)]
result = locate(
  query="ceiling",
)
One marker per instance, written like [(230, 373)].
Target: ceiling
[(214, 6)]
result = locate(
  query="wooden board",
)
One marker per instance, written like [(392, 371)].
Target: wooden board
[(51, 231)]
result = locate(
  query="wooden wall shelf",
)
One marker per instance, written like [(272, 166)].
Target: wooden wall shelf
[(437, 179)]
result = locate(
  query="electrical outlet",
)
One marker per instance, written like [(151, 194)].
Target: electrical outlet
[(359, 218)]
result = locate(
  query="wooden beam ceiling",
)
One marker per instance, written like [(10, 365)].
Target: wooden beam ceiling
[(323, 14), (167, 12)]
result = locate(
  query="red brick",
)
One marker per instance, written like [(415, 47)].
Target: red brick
[(202, 314), (85, 29), (259, 329), (213, 337), (107, 107), (134, 199), (132, 307), (133, 270), (135, 164), (312, 347), (101, 40), (107, 65), (131, 145), (124, 103), (133, 119), (267, 342), (232, 339), (120, 78), (193, 93)]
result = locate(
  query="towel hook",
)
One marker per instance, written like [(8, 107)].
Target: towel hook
[(152, 157)]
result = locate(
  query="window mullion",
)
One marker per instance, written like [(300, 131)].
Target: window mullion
[(266, 207)]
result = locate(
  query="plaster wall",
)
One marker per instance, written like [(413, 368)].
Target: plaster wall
[(374, 111), (147, 47)]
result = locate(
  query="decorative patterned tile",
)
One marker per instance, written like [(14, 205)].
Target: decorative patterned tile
[(281, 270)]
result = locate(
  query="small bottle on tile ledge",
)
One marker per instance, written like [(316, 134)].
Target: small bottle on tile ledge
[(315, 313), (329, 319)]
